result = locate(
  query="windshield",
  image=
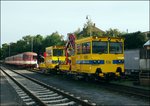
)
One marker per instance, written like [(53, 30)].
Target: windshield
[(115, 47), (34, 57), (57, 52), (99, 47)]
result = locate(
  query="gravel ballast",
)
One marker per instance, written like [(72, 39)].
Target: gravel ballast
[(87, 90)]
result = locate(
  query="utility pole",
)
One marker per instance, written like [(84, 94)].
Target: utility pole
[(127, 30), (88, 22), (9, 49), (31, 44)]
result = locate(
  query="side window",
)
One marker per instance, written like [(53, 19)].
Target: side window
[(86, 48), (49, 52), (78, 48), (25, 57)]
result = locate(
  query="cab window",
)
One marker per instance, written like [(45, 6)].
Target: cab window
[(99, 47), (115, 47), (57, 52), (34, 57), (86, 48)]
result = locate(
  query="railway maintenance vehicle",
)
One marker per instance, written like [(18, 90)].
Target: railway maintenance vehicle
[(94, 57), (53, 56)]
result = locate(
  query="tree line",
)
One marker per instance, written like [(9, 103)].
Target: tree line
[(35, 43), (38, 43)]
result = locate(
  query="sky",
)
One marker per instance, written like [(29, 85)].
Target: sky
[(21, 18)]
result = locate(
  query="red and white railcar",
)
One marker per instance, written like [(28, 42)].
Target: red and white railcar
[(26, 59)]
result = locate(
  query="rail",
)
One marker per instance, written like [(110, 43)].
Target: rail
[(69, 98)]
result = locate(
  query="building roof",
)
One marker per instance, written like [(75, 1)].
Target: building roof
[(93, 29), (147, 43)]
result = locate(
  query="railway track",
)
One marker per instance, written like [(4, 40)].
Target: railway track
[(133, 91), (34, 92)]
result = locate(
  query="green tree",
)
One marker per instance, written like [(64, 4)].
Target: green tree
[(112, 33), (21, 46), (28, 42), (37, 43), (1, 57), (148, 35), (89, 29), (53, 39), (25, 44), (134, 40), (77, 33), (4, 50), (13, 48)]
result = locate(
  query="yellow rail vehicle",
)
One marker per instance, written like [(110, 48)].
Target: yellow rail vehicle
[(54, 56), (98, 56)]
